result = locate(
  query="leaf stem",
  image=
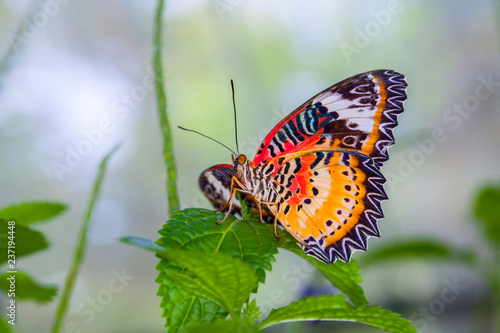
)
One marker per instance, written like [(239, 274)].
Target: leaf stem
[(168, 148), (80, 249)]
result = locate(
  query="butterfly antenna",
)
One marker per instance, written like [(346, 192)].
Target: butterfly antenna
[(206, 136), (235, 122)]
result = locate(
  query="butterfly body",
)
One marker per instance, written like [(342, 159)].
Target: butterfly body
[(318, 171), (251, 181)]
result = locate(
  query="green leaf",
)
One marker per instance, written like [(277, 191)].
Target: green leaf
[(251, 313), (223, 326), (25, 241), (330, 307), (417, 249), (218, 277), (196, 230), (344, 276), (31, 212), (27, 288), (487, 212), (182, 308), (4, 326), (142, 243)]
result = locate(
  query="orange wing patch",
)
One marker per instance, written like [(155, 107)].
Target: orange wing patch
[(329, 201)]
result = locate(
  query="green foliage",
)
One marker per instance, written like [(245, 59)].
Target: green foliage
[(486, 209), (208, 271), (161, 98), (22, 240), (218, 277), (4, 326), (487, 212), (224, 326), (251, 313), (196, 230), (143, 243), (344, 276), (27, 288), (183, 309), (82, 243), (26, 240), (418, 248), (30, 212), (329, 307)]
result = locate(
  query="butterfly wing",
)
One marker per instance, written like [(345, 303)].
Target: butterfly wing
[(357, 114), (324, 160), (215, 183), (328, 200)]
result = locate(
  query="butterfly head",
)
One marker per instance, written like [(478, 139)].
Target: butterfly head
[(241, 159), (241, 164)]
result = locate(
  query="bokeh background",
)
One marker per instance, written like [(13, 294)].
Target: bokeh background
[(83, 70)]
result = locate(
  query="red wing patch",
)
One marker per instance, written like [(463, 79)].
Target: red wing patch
[(356, 114)]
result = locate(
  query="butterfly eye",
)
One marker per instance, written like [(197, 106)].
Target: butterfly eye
[(242, 159)]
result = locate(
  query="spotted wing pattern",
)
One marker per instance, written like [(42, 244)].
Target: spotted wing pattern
[(215, 182), (324, 163), (356, 114), (328, 200)]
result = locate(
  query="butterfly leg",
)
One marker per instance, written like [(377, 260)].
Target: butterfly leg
[(269, 203), (229, 203), (275, 224), (225, 205), (260, 212), (231, 199)]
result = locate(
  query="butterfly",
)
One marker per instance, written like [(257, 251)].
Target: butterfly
[(317, 172)]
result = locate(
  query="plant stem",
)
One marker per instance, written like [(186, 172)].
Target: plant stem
[(80, 249), (495, 286), (168, 147)]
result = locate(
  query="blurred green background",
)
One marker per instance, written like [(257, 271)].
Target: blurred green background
[(75, 79)]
